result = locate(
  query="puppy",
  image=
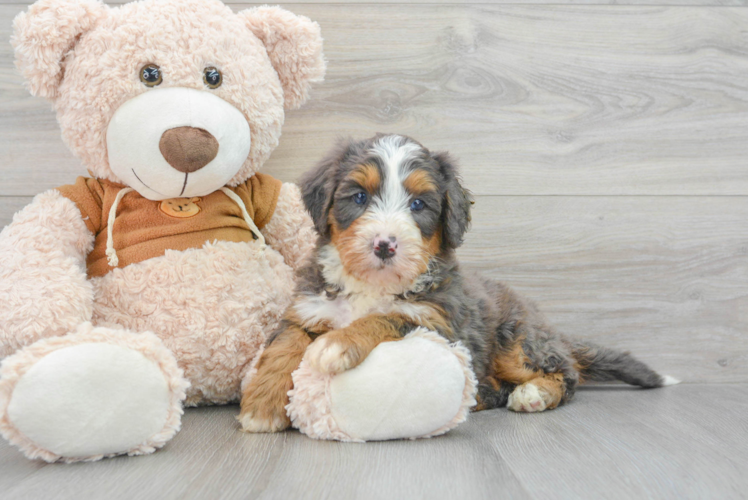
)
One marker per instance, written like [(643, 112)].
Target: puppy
[(390, 215)]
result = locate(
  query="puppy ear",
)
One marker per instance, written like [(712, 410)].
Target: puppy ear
[(457, 201), (294, 44), (45, 34), (318, 185)]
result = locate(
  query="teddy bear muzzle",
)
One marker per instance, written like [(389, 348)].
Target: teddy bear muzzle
[(177, 142)]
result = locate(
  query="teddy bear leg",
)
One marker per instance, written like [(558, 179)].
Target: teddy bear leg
[(421, 386), (94, 393)]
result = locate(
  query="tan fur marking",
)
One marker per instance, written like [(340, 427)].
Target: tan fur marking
[(419, 182), (495, 384), (367, 176), (432, 245), (551, 387), (430, 248), (436, 320), (510, 365), (266, 396), (580, 367), (345, 242), (582, 362)]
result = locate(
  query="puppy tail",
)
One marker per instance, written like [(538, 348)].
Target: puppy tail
[(603, 364)]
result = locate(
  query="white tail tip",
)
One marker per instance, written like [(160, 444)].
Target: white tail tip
[(668, 380)]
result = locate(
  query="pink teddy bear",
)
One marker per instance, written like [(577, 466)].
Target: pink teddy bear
[(153, 283)]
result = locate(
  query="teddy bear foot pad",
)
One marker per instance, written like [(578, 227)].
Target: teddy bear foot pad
[(89, 395), (421, 386)]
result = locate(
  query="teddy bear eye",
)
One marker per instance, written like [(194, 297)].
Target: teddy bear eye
[(212, 78), (150, 75)]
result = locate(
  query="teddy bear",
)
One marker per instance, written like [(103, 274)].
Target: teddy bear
[(152, 283)]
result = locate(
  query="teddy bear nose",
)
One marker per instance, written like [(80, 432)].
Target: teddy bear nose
[(188, 149)]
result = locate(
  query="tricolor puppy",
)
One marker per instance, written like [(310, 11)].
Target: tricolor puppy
[(390, 215)]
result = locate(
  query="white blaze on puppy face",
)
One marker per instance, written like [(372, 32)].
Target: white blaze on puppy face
[(393, 198), (387, 216)]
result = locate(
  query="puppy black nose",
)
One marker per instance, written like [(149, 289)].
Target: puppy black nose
[(385, 248)]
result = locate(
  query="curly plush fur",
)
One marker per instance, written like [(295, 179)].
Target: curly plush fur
[(268, 57), (291, 230), (43, 287), (146, 344), (210, 307)]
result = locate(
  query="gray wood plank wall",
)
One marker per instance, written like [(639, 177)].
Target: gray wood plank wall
[(607, 146)]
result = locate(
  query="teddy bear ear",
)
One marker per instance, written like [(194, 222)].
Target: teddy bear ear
[(45, 34), (294, 44)]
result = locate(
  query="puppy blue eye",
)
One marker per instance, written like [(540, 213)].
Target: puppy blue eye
[(417, 205), (359, 198)]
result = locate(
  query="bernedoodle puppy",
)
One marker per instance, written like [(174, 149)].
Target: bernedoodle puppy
[(390, 215)]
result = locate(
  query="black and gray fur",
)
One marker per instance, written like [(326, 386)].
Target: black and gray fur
[(485, 315)]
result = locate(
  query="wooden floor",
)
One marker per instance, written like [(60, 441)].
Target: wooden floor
[(688, 441)]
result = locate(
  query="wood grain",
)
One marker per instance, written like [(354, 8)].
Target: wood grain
[(664, 277), (610, 442), (9, 205), (532, 100), (639, 444)]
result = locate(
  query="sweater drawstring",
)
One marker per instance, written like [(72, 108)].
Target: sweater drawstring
[(111, 253), (252, 226)]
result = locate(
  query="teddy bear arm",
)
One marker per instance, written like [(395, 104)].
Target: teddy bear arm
[(44, 290), (290, 231)]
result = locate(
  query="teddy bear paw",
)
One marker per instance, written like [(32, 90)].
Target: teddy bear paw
[(90, 394)]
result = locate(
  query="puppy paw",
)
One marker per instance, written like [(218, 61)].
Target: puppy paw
[(329, 355), (526, 398), (263, 414), (268, 423)]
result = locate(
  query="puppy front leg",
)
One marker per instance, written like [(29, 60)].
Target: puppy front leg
[(343, 349), (264, 400)]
